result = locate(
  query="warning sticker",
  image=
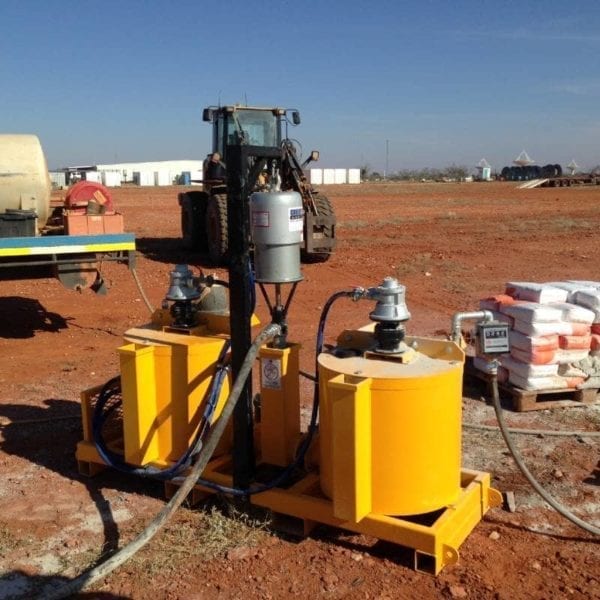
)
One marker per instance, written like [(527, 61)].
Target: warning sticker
[(270, 370), (296, 219), (260, 218)]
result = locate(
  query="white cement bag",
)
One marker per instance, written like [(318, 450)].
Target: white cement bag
[(563, 357), (544, 329), (553, 382), (574, 313), (528, 343), (571, 371), (532, 312), (571, 287), (527, 370), (588, 284), (536, 292), (589, 299)]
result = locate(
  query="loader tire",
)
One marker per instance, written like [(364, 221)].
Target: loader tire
[(217, 236), (193, 217), (324, 208)]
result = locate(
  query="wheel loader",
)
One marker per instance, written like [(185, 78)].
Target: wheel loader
[(204, 213)]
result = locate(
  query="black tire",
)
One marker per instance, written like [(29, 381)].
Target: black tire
[(193, 217), (217, 236), (324, 208)]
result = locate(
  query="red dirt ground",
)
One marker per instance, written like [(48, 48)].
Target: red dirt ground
[(450, 244)]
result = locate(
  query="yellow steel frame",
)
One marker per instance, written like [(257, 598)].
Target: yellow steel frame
[(279, 404), (435, 546)]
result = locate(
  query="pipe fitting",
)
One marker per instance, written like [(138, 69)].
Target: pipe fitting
[(459, 317)]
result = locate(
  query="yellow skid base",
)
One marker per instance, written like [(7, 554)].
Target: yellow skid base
[(435, 544)]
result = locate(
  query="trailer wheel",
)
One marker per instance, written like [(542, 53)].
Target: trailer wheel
[(193, 217), (325, 209), (216, 229)]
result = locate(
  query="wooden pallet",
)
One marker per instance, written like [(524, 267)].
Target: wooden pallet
[(526, 400)]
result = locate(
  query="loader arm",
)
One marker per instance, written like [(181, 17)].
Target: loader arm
[(299, 180)]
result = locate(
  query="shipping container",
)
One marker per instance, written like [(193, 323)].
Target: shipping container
[(328, 176), (340, 176), (353, 175), (316, 176)]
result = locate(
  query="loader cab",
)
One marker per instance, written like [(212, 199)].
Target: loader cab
[(250, 126)]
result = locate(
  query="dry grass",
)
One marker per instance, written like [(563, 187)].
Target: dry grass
[(421, 262), (199, 535), (567, 224), (392, 220), (8, 542), (556, 225)]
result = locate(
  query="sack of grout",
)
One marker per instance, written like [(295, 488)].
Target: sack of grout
[(542, 293), (549, 331)]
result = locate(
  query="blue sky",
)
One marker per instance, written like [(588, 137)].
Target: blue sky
[(443, 81)]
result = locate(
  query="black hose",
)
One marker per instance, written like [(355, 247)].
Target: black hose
[(538, 432), (559, 508), (214, 435)]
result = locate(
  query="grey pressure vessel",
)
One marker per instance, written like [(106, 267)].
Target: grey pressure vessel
[(277, 222)]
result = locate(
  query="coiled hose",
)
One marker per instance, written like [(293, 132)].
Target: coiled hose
[(559, 508), (102, 411), (214, 435)]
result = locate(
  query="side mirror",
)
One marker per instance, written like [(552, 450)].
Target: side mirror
[(314, 156), (207, 115), (295, 117)]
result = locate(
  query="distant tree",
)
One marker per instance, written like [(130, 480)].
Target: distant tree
[(456, 172), (375, 176), (595, 170), (365, 172)]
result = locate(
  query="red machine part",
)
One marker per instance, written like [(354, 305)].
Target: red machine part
[(87, 194)]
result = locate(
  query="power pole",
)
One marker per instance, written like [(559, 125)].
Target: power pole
[(387, 158)]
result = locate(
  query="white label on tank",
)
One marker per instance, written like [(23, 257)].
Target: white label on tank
[(271, 373), (260, 218), (296, 219)]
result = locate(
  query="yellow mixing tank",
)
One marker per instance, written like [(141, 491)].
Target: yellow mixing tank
[(395, 426)]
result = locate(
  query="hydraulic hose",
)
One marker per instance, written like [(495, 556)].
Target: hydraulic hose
[(559, 508), (214, 435), (312, 427), (541, 432)]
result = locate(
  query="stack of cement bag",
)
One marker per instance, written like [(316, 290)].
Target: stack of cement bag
[(554, 337)]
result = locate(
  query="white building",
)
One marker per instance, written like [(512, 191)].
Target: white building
[(334, 176), (165, 172)]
